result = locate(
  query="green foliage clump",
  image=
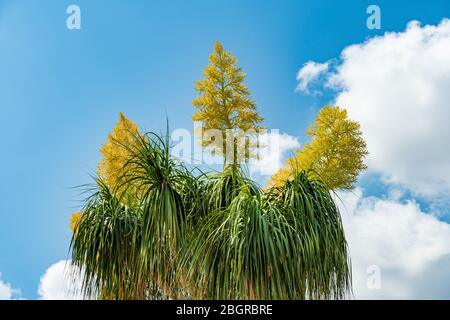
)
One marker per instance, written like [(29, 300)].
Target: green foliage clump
[(213, 236)]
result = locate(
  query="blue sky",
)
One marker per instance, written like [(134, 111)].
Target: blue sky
[(61, 90)]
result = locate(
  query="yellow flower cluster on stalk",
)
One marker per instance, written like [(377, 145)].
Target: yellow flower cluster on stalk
[(224, 105), (74, 219), (116, 153), (335, 154)]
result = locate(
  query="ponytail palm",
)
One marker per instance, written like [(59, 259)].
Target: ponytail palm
[(286, 244), (153, 227), (214, 236), (322, 246), (104, 246), (163, 213)]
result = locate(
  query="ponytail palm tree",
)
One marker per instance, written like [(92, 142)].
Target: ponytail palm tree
[(154, 228), (287, 243), (129, 247), (104, 245), (322, 246), (208, 236)]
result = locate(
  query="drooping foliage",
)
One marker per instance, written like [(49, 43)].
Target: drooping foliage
[(317, 221), (215, 236), (105, 243), (141, 238), (285, 244)]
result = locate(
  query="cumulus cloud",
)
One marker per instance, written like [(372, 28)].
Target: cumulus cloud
[(276, 148), (397, 87), (310, 72), (61, 281), (407, 249), (6, 291)]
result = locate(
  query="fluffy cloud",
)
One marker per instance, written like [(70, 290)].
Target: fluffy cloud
[(277, 147), (309, 73), (6, 291), (61, 281), (397, 87), (408, 249)]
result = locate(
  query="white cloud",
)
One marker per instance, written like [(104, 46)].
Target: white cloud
[(411, 248), (277, 147), (309, 73), (397, 87), (6, 291), (61, 281)]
